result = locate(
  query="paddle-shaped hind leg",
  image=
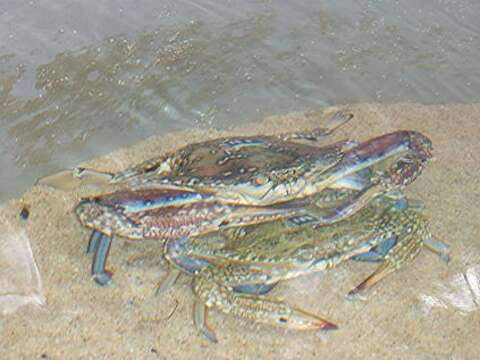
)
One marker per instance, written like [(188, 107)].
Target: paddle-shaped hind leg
[(99, 274)]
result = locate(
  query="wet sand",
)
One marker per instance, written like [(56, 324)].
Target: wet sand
[(428, 310)]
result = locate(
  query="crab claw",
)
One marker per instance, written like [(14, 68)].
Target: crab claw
[(298, 319), (420, 145), (248, 306), (273, 313), (409, 151), (396, 143)]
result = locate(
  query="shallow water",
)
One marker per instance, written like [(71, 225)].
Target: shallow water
[(80, 79)]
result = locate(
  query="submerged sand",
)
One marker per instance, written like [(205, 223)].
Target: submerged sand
[(428, 310)]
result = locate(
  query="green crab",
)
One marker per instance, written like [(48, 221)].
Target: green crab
[(233, 268)]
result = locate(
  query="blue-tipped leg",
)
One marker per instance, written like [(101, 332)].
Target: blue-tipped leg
[(100, 275), (188, 264), (254, 289), (439, 248), (377, 253), (401, 204), (93, 242)]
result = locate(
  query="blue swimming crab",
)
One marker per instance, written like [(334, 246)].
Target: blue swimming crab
[(234, 268), (264, 170), (132, 214)]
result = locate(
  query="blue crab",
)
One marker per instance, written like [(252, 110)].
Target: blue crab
[(234, 268), (265, 170), (133, 215)]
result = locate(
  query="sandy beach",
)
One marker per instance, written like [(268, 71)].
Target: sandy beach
[(428, 310)]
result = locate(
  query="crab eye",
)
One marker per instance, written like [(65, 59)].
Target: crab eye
[(148, 202), (260, 180), (283, 320)]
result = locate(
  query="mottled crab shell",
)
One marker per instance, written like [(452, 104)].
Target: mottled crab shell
[(238, 159), (244, 169), (296, 246), (266, 170), (234, 269)]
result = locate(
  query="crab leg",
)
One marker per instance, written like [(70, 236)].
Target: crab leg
[(192, 265), (200, 311), (336, 120), (361, 200), (254, 289), (351, 207), (93, 242), (439, 248), (377, 253), (169, 280), (383, 270), (100, 275), (406, 248), (210, 290)]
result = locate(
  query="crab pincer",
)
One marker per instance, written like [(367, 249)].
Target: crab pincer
[(267, 311)]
